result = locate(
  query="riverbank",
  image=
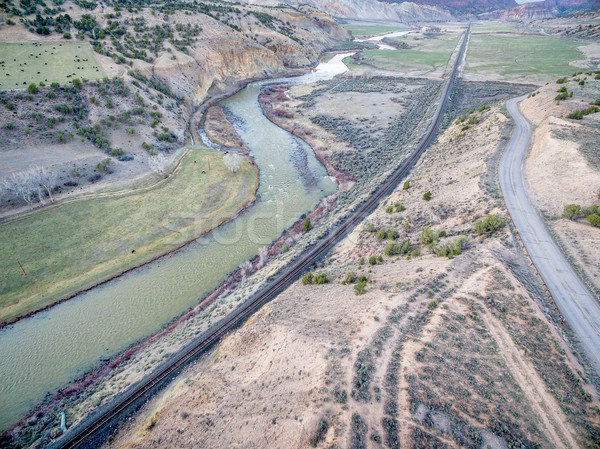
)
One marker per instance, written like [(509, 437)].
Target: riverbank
[(87, 242)]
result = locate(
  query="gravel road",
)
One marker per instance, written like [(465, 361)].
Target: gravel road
[(578, 306)]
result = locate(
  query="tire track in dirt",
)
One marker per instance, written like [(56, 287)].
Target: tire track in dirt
[(555, 424)]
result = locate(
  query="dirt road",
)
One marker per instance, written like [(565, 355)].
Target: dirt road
[(579, 307)]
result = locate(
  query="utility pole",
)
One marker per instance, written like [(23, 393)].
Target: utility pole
[(24, 274)]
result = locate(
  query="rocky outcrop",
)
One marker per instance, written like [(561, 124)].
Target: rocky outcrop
[(529, 11), (374, 10), (223, 56)]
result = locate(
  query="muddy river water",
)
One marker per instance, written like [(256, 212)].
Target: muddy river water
[(41, 354)]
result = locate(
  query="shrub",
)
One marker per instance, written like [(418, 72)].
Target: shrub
[(284, 249), (130, 130), (370, 228), (405, 248), (406, 185), (320, 433), (350, 278), (67, 35), (360, 288), (427, 196), (308, 278), (9, 126), (594, 209), (389, 209), (400, 208), (562, 89), (77, 83), (375, 260), (104, 165), (321, 279), (571, 211), (429, 237), (432, 305), (578, 115), (32, 89), (391, 249), (561, 80), (489, 224), (594, 220), (381, 234), (416, 253), (117, 152), (393, 234), (307, 225), (454, 248)]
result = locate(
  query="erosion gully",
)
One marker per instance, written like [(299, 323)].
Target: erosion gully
[(42, 353)]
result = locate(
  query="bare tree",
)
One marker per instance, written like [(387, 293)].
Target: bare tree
[(47, 179), (159, 163), (232, 161), (28, 184), (22, 185)]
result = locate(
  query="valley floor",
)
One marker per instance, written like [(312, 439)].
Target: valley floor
[(439, 352)]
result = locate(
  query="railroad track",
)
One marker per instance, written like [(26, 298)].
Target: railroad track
[(92, 431)]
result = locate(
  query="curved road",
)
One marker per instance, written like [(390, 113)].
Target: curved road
[(578, 306)]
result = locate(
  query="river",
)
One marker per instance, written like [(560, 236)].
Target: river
[(42, 353)]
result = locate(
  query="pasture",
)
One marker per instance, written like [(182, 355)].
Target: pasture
[(74, 244), (424, 55), (522, 57), (23, 64), (372, 30)]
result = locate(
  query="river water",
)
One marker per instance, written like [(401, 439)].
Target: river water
[(43, 353)]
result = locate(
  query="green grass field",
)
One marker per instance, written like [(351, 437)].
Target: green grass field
[(493, 27), (372, 30), (521, 57), (425, 54), (23, 64), (75, 244)]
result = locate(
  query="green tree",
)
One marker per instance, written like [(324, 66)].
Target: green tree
[(381, 234), (406, 185), (307, 225), (427, 196), (32, 89), (393, 234), (76, 83)]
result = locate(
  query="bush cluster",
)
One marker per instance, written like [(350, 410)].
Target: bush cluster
[(310, 279), (489, 224), (578, 115)]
